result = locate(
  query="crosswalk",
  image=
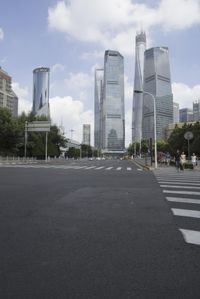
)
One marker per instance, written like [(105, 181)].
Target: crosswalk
[(182, 192), (65, 167)]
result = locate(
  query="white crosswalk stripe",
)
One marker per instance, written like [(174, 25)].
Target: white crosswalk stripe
[(66, 167), (191, 236), (181, 190), (184, 200)]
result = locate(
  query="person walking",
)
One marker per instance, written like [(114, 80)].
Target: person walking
[(183, 160), (194, 160), (177, 160)]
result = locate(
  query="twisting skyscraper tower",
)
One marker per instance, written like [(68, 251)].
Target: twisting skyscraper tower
[(137, 113), (41, 91)]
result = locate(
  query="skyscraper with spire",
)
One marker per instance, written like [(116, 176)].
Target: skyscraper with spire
[(137, 112)]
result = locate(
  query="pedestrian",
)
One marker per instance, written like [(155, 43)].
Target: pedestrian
[(194, 160), (168, 158), (177, 160), (183, 160)]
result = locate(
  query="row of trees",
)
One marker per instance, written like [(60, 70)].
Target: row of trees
[(12, 137), (85, 151), (174, 142)]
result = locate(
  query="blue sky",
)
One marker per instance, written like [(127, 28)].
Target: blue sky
[(70, 37)]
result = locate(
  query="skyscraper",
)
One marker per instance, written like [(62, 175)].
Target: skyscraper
[(98, 102), (185, 115), (113, 117), (157, 81), (8, 98), (86, 134), (41, 91), (196, 110), (175, 113), (140, 46)]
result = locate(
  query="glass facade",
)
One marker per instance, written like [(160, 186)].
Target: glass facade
[(196, 110), (113, 117), (86, 134), (185, 114), (175, 113), (98, 103), (140, 47), (157, 81), (41, 91)]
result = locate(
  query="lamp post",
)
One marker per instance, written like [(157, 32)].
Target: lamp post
[(154, 116)]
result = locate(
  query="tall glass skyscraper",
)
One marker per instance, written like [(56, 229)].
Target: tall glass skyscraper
[(140, 47), (113, 116), (86, 134), (41, 91), (98, 103), (157, 81), (196, 110)]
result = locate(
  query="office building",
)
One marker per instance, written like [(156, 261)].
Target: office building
[(98, 104), (175, 113), (86, 134), (140, 47), (113, 116), (8, 98), (157, 81), (41, 91), (185, 115), (196, 110)]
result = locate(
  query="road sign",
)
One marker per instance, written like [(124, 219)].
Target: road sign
[(188, 135), (39, 126)]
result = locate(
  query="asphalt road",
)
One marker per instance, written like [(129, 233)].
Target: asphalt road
[(85, 233)]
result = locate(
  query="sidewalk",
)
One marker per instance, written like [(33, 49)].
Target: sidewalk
[(145, 163)]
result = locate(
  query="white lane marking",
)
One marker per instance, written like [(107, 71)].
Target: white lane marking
[(118, 168), (167, 177), (186, 213), (180, 183), (129, 168), (191, 236), (90, 167), (181, 192), (139, 169), (179, 187), (100, 167), (182, 199), (109, 168)]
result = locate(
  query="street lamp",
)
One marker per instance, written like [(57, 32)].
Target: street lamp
[(154, 116)]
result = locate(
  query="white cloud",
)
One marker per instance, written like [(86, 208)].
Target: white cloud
[(71, 115), (179, 14), (112, 25), (185, 95), (1, 34), (79, 81), (91, 55), (24, 105), (57, 68)]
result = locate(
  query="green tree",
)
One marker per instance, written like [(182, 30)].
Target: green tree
[(8, 132)]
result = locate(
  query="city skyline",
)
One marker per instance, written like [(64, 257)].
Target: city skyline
[(56, 34)]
